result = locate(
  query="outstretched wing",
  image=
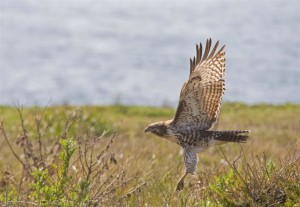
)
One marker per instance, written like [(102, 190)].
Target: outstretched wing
[(201, 95)]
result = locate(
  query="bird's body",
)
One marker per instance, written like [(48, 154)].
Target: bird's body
[(198, 108)]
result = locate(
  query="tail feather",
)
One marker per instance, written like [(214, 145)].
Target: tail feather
[(232, 136)]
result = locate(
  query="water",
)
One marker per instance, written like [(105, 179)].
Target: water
[(137, 52)]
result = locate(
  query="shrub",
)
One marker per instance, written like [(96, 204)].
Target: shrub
[(258, 181), (76, 168)]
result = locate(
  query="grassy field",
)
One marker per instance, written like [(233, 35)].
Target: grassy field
[(60, 156)]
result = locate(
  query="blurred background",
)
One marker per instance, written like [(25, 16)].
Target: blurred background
[(137, 52)]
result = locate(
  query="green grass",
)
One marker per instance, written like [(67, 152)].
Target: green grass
[(262, 172)]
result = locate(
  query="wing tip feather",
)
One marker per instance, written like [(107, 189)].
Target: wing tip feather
[(198, 59)]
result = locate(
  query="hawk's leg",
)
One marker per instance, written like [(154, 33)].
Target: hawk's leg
[(190, 161)]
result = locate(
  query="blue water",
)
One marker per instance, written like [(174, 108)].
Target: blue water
[(137, 52)]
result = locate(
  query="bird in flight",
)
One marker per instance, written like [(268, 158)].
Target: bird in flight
[(198, 109)]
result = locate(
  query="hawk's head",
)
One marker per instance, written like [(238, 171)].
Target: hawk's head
[(158, 128)]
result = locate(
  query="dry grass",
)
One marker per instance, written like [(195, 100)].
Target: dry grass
[(142, 170)]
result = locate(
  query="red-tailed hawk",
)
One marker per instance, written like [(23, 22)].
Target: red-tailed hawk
[(198, 108)]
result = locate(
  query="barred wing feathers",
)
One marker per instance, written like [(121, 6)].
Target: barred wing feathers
[(201, 95)]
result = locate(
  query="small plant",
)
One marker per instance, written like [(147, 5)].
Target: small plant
[(258, 182), (74, 169)]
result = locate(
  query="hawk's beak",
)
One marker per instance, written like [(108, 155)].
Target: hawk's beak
[(146, 129)]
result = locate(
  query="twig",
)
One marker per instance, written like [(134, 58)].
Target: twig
[(38, 128), (137, 188), (235, 169), (80, 155), (9, 145)]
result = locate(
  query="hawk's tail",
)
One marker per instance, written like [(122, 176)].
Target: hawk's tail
[(231, 136)]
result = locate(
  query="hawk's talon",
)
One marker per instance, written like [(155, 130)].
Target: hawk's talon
[(180, 185)]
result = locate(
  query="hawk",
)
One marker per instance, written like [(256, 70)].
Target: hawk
[(198, 109)]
